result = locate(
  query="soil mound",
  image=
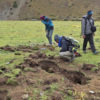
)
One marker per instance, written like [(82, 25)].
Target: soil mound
[(41, 55), (3, 94), (30, 62), (50, 81), (49, 66), (19, 48), (3, 81), (25, 48), (88, 66), (8, 48), (57, 96)]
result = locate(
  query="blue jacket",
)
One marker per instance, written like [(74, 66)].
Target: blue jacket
[(48, 24)]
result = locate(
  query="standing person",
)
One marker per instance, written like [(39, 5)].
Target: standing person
[(68, 47), (88, 30), (49, 27)]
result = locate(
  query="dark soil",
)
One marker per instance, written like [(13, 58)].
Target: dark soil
[(8, 48), (88, 66), (49, 66), (19, 48), (3, 68), (26, 48), (50, 81), (56, 96), (3, 94), (30, 62), (41, 55), (40, 71), (76, 77), (3, 80)]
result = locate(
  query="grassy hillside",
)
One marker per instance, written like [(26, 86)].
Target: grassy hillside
[(56, 9)]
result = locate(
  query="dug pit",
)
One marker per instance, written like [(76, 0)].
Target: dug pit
[(75, 77), (49, 66)]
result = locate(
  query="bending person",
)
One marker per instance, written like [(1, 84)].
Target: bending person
[(49, 27), (68, 47)]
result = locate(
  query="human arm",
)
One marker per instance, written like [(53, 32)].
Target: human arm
[(83, 26)]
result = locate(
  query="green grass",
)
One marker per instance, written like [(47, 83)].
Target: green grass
[(16, 33)]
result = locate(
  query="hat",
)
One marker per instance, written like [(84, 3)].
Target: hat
[(90, 12), (42, 17), (56, 37)]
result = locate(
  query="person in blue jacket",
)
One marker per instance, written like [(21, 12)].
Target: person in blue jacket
[(49, 27)]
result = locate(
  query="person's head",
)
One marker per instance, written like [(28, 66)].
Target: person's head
[(89, 13), (42, 18), (56, 38)]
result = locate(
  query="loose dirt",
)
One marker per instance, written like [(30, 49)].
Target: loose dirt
[(3, 94), (49, 66), (26, 48), (40, 73)]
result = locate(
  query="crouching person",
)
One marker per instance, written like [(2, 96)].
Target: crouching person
[(68, 46)]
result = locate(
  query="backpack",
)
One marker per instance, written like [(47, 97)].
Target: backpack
[(93, 28), (74, 42)]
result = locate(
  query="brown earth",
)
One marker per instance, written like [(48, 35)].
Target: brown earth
[(88, 66), (26, 48), (40, 71), (19, 48)]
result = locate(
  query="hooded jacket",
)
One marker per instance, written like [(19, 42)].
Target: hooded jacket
[(48, 24), (86, 25)]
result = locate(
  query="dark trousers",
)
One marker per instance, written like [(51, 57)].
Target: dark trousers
[(91, 42)]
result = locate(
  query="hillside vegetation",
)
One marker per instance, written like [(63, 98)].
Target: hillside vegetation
[(56, 9)]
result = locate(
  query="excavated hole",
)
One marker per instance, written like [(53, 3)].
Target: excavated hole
[(49, 66), (75, 77)]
